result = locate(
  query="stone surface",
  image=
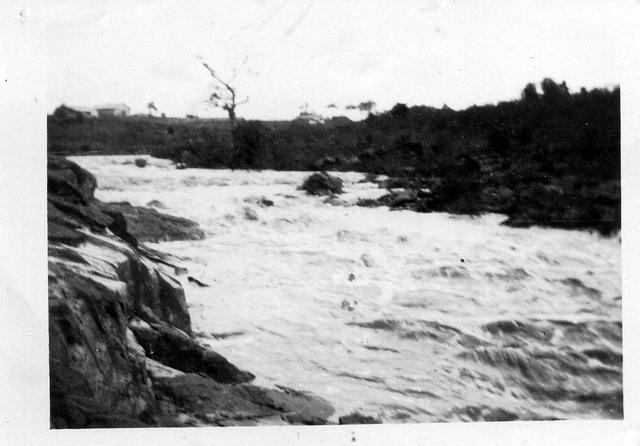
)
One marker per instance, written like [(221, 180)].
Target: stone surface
[(147, 224), (174, 348), (321, 183), (224, 405), (66, 179), (121, 353), (358, 418), (91, 364)]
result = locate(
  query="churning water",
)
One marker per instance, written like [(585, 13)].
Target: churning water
[(400, 315)]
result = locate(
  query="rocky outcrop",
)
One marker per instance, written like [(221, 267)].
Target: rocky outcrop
[(149, 225), (208, 402), (121, 353), (173, 347)]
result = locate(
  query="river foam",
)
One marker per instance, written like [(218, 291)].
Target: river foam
[(400, 315)]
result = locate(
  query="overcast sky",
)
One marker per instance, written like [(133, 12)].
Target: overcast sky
[(321, 52)]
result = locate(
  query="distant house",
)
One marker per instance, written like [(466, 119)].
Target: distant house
[(88, 112), (120, 110), (309, 118)]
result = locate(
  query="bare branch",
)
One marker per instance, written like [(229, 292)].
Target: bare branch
[(215, 76), (226, 101)]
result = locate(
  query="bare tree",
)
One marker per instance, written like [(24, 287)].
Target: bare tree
[(224, 95)]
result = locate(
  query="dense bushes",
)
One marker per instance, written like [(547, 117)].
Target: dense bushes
[(253, 143), (517, 149)]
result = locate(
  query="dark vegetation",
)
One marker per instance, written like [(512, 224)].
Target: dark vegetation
[(550, 158)]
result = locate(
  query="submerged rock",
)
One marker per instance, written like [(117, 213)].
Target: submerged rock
[(368, 260), (249, 214), (155, 204)]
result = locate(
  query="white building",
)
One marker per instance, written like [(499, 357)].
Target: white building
[(113, 110), (310, 118)]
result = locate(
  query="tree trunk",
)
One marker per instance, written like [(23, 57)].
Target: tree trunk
[(232, 118)]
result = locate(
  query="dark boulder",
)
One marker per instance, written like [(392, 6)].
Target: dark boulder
[(245, 404), (68, 180), (297, 407), (202, 395), (147, 224), (70, 202), (401, 199), (358, 418), (174, 348), (321, 183)]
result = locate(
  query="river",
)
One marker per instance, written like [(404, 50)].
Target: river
[(405, 316)]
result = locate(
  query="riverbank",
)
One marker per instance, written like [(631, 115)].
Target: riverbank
[(550, 159)]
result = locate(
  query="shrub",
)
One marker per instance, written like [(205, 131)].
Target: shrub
[(67, 114), (553, 91), (250, 141), (530, 93), (400, 111), (498, 140)]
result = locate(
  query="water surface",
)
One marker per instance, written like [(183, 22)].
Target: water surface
[(405, 316)]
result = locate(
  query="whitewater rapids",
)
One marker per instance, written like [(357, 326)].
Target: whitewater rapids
[(404, 316)]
